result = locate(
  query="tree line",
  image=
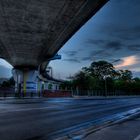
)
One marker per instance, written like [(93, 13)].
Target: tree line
[(102, 75), (8, 83)]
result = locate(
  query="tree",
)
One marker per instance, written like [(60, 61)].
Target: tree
[(125, 75), (102, 69), (85, 81), (8, 83), (136, 79), (80, 80), (66, 85), (12, 81), (102, 75)]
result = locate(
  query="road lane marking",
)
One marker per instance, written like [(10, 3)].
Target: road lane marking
[(18, 110)]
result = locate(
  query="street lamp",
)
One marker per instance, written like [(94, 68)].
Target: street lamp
[(106, 76), (49, 69)]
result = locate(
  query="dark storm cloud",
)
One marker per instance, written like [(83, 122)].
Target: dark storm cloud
[(101, 49), (122, 32), (101, 53), (86, 58), (115, 32), (74, 60), (113, 45), (116, 60), (135, 48), (96, 42), (127, 1), (132, 33), (96, 54), (70, 53), (106, 44)]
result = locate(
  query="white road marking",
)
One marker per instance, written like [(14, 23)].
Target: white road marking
[(137, 138), (29, 109)]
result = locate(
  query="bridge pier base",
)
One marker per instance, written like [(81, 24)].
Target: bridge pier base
[(26, 82)]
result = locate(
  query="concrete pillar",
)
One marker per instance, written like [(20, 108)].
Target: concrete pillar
[(25, 82), (53, 86), (46, 85), (56, 87), (39, 87)]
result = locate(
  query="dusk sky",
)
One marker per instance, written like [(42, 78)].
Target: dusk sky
[(112, 34)]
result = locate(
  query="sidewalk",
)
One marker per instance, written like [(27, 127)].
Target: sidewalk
[(129, 130)]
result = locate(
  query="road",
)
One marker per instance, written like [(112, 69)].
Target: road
[(46, 119)]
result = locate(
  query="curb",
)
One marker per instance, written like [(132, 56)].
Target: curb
[(22, 100), (104, 98), (84, 132)]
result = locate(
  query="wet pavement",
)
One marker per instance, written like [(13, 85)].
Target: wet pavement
[(129, 130), (46, 119)]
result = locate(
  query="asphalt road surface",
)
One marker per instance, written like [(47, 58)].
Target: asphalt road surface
[(40, 119)]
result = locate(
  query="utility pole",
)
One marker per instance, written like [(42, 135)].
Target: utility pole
[(49, 69), (105, 78), (105, 87)]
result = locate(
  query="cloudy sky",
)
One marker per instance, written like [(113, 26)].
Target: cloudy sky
[(5, 69), (112, 34)]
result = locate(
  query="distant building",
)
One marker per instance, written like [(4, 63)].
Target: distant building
[(53, 85)]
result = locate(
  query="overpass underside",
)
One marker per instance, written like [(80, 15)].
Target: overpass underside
[(32, 31)]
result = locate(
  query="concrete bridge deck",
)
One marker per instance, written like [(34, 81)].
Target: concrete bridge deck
[(32, 31)]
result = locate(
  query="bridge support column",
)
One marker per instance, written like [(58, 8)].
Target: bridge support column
[(39, 87), (26, 82)]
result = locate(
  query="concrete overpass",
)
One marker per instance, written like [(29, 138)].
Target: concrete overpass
[(32, 31)]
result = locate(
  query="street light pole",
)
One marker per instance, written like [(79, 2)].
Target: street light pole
[(105, 78), (50, 70), (105, 87)]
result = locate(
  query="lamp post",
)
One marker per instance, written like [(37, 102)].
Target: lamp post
[(106, 76), (49, 69)]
